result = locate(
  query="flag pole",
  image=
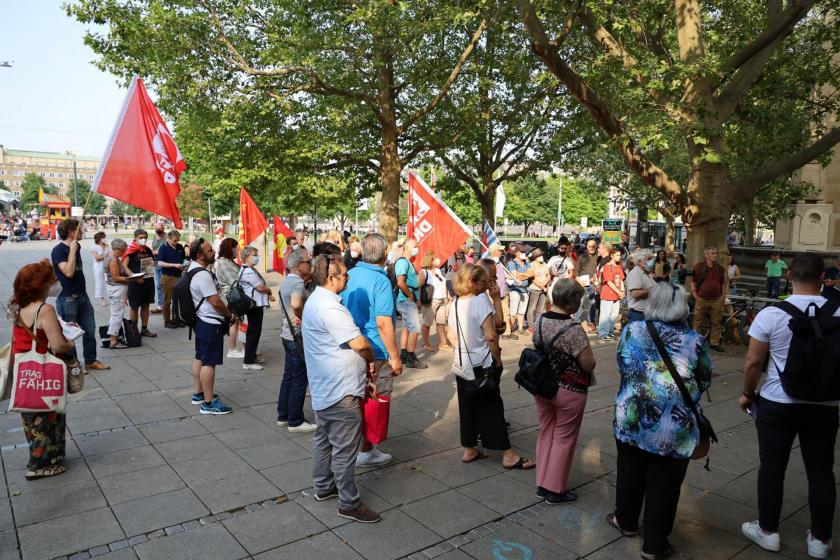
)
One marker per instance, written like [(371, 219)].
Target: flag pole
[(82, 220)]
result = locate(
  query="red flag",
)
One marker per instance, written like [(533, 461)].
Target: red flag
[(281, 232), (142, 163), (431, 222), (251, 221)]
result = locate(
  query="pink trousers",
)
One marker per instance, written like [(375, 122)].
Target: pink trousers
[(560, 420)]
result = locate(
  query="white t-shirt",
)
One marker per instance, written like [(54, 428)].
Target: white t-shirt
[(470, 345), (249, 280), (203, 285), (561, 266), (436, 279), (771, 327)]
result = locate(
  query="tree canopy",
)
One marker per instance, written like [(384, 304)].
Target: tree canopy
[(30, 186)]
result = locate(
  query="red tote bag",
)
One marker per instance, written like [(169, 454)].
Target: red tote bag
[(39, 383), (376, 409)]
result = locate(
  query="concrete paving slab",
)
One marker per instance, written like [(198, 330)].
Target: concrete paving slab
[(501, 493), (69, 534), (516, 541), (140, 484), (397, 535), (450, 513), (211, 541), (159, 511), (324, 545), (236, 491), (127, 460), (273, 527), (403, 486)]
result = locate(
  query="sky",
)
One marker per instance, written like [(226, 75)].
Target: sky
[(52, 99)]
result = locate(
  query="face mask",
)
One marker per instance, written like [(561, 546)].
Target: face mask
[(415, 252), (141, 242), (354, 254), (540, 259), (256, 260), (159, 231), (649, 265), (437, 263), (55, 289)]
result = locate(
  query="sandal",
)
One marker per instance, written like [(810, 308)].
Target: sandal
[(521, 464), (49, 470), (147, 333), (446, 347), (612, 519), (429, 348), (97, 365), (119, 345), (477, 457)]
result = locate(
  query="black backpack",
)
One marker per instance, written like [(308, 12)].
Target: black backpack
[(237, 299), (535, 373), (427, 290), (811, 371), (186, 307), (133, 338), (392, 275)]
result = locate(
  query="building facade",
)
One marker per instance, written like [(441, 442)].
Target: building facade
[(57, 169)]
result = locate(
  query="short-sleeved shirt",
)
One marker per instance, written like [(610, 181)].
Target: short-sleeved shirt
[(637, 280), (369, 295), (158, 242), (171, 255), (515, 267), (69, 286), (770, 326), (572, 342), (587, 265), (613, 273), (774, 269), (333, 368), (437, 281), (202, 286), (250, 279), (403, 267), (292, 285), (561, 266), (711, 287), (471, 348), (501, 279)]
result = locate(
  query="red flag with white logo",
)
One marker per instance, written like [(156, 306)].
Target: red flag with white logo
[(431, 222), (281, 232), (251, 221), (142, 163)]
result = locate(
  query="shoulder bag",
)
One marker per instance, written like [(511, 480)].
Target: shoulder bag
[(535, 374), (707, 433), (486, 379)]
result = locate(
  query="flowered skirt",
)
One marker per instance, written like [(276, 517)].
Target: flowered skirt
[(45, 432)]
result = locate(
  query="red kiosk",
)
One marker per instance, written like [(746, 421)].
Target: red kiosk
[(56, 207)]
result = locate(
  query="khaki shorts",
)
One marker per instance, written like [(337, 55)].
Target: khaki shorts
[(427, 315), (506, 308), (384, 377), (440, 311)]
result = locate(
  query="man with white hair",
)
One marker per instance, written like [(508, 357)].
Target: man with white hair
[(708, 288), (637, 286)]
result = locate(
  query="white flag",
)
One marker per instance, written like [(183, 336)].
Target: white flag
[(500, 201)]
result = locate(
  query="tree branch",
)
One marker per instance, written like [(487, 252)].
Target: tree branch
[(460, 173), (430, 147), (793, 14), (751, 183), (647, 171), (444, 89)]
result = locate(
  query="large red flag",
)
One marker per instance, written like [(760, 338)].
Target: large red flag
[(431, 222), (281, 232), (251, 221), (142, 163)]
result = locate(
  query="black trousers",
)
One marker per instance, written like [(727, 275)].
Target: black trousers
[(482, 416), (252, 336), (654, 480), (816, 425)]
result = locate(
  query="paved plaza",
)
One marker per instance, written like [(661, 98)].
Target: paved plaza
[(148, 477)]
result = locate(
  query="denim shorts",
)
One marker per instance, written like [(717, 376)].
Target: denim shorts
[(209, 343), (410, 315)]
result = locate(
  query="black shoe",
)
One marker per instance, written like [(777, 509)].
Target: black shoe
[(328, 495), (567, 497), (412, 361), (541, 492), (511, 336), (180, 324), (147, 333), (403, 355), (170, 325)]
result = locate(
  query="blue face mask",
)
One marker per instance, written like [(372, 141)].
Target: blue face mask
[(256, 260), (650, 264)]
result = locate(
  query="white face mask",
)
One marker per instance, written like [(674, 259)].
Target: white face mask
[(256, 260), (540, 259), (415, 252), (437, 263), (354, 254), (55, 289), (141, 242)]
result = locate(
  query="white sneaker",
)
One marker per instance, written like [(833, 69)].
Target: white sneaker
[(252, 366), (282, 423), (305, 427), (817, 548), (767, 541), (373, 458), (237, 353)]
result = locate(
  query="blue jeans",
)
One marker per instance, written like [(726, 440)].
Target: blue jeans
[(159, 285), (79, 310), (293, 387), (774, 286)]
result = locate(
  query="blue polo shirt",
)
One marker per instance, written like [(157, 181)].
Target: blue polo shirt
[(403, 267), (368, 295)]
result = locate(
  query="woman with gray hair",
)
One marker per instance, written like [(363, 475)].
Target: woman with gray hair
[(655, 431), (564, 342), (116, 279), (254, 285)]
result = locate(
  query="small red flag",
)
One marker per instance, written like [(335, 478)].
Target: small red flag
[(251, 221), (142, 164), (281, 232), (431, 222)]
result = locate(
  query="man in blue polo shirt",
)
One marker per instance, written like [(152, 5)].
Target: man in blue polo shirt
[(370, 300), (408, 299)]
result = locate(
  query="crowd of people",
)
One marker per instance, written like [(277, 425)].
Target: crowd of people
[(340, 303)]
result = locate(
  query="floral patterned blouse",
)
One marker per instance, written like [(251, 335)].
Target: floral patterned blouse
[(649, 411)]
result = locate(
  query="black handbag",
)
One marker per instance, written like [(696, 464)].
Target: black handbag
[(487, 379), (535, 373), (707, 433), (238, 301)]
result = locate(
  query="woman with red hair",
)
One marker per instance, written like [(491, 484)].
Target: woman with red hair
[(34, 319)]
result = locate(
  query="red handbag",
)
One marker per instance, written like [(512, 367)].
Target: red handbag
[(376, 409)]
